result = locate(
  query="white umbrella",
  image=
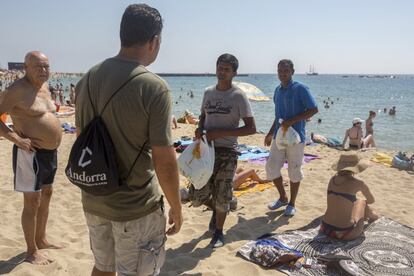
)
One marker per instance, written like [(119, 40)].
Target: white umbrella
[(252, 92)]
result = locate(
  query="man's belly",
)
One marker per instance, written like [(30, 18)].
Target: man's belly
[(44, 130)]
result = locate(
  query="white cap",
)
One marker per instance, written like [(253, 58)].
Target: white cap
[(357, 120)]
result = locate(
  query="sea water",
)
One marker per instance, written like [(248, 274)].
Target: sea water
[(352, 96)]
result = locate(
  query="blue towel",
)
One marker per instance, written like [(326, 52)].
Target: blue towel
[(334, 142), (68, 128), (251, 152), (184, 142)]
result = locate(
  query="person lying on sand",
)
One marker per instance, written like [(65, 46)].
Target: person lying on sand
[(188, 118), (242, 175), (345, 214), (320, 139)]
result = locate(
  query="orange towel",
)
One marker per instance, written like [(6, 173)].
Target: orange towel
[(251, 186)]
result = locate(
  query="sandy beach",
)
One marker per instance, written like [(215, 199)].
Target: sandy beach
[(188, 252)]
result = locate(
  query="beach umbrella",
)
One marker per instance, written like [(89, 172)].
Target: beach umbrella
[(252, 92)]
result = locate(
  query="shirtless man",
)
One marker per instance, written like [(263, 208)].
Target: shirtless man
[(36, 135)]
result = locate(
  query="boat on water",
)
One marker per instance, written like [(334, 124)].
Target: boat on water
[(312, 71)]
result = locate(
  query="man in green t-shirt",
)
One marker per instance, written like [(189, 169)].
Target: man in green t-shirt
[(127, 228)]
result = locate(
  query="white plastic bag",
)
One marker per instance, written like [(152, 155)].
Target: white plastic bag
[(286, 138), (196, 162)]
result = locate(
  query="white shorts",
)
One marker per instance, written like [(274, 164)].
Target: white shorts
[(134, 247), (293, 155)]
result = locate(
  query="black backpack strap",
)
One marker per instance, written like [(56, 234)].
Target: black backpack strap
[(113, 94), (107, 102), (136, 159), (122, 86), (89, 94)]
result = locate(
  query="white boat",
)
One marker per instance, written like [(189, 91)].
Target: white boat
[(311, 71)]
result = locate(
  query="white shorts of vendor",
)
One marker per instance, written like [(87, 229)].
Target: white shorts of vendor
[(292, 154)]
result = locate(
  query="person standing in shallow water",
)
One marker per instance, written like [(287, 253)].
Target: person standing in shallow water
[(369, 126), (392, 111), (223, 106), (36, 135), (72, 95), (294, 104)]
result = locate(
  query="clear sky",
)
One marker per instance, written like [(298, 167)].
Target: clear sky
[(352, 36)]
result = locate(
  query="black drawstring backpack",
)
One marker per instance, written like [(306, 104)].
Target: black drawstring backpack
[(92, 161)]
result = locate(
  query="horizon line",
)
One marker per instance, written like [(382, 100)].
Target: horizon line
[(255, 73)]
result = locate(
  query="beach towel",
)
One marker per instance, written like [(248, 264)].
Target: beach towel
[(251, 186), (181, 144), (68, 128), (382, 158), (386, 248), (247, 153), (334, 142), (184, 142)]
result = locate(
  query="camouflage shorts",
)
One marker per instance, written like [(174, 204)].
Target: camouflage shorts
[(220, 186)]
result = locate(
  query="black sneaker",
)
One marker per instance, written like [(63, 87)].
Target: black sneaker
[(212, 224), (217, 240)]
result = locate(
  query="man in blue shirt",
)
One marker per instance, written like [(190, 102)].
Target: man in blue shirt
[(293, 104)]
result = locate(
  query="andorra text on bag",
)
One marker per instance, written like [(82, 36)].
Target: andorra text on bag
[(196, 162)]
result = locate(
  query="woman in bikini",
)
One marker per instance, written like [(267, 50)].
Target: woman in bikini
[(345, 214), (356, 136)]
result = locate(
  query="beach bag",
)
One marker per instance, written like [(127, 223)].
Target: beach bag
[(270, 253), (197, 162), (92, 161), (286, 137), (402, 164)]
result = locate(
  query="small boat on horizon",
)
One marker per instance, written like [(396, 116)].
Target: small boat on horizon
[(312, 71)]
